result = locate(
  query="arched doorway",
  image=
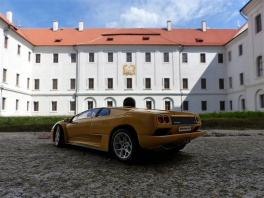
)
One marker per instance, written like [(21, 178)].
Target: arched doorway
[(129, 102)]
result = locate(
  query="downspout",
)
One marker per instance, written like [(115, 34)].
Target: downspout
[(1, 98), (181, 47), (76, 79)]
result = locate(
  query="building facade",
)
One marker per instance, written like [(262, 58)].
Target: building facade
[(63, 71)]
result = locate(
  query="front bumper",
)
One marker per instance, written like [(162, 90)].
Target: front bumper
[(148, 142)]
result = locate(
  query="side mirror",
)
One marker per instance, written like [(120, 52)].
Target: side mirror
[(66, 120)]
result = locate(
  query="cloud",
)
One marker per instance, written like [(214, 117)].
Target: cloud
[(155, 13)]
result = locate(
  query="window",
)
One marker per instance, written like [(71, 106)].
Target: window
[(230, 83), (3, 103), (243, 104), (18, 49), (240, 50), (109, 103), (4, 75), (166, 83), (55, 58), (29, 56), (91, 57), (110, 57), (148, 83), (110, 83), (128, 57), (203, 83), (231, 105), (36, 84), (28, 83), (72, 105), (54, 106), (91, 83), (90, 104), (72, 83), (37, 58), (259, 67), (222, 105), (147, 57), (185, 83), (261, 101), (185, 105), (129, 83), (73, 57), (202, 58), (17, 104), (166, 57), (241, 78), (258, 23), (221, 83), (27, 105), (167, 105), (17, 79), (148, 105), (204, 105), (36, 106), (220, 58), (229, 56), (184, 57), (54, 84), (6, 42)]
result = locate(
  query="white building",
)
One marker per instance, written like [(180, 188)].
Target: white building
[(45, 70)]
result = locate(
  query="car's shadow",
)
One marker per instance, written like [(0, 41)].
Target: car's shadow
[(144, 157)]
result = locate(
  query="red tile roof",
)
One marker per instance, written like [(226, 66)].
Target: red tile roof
[(124, 36)]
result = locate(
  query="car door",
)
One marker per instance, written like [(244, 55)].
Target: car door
[(79, 128)]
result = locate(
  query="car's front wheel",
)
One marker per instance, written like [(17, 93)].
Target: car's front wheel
[(59, 137), (124, 145)]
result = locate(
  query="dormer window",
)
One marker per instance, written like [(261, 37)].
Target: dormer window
[(199, 40), (110, 39), (145, 37), (57, 40)]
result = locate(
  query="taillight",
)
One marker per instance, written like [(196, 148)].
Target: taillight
[(166, 119), (160, 119)]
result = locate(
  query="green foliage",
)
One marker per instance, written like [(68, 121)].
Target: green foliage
[(29, 120), (235, 115)]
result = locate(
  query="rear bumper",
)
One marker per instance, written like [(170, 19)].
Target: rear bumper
[(148, 142)]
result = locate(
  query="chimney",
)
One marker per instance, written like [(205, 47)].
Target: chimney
[(80, 26), (9, 15), (168, 26), (204, 26), (55, 26)]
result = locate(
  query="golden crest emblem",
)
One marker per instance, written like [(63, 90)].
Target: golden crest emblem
[(129, 69)]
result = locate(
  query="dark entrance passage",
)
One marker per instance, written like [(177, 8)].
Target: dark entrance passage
[(129, 102)]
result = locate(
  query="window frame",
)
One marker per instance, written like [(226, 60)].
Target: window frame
[(129, 83), (166, 57), (221, 83), (90, 83), (203, 83), (38, 58), (220, 58), (110, 57), (184, 57), (110, 83), (72, 84), (128, 57), (259, 66), (185, 83), (202, 58), (91, 57), (147, 57), (258, 23), (55, 58), (147, 83), (55, 84), (73, 57)]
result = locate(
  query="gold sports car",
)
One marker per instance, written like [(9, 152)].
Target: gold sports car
[(123, 130)]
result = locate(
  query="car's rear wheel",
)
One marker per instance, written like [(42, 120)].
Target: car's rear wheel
[(124, 145), (59, 137)]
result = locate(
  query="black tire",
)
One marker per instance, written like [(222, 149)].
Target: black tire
[(59, 137), (173, 147), (124, 145)]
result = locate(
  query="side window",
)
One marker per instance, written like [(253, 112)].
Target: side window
[(104, 112)]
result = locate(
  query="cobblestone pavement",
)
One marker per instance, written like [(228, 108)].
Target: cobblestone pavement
[(230, 165)]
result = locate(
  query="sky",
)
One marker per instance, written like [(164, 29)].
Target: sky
[(125, 13)]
